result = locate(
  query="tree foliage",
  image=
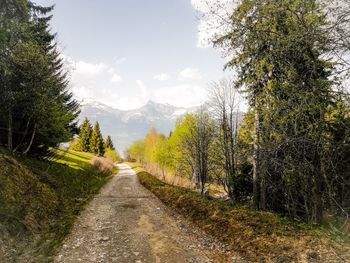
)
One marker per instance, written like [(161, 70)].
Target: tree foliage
[(186, 151), (291, 152), (281, 51), (85, 136), (109, 143), (96, 141), (37, 109)]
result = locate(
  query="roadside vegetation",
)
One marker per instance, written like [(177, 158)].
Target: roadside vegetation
[(290, 152), (256, 235), (40, 199), (90, 140)]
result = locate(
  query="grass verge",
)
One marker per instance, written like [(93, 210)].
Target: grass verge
[(39, 201), (257, 236)]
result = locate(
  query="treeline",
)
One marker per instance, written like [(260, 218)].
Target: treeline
[(291, 153), (37, 111), (91, 140)]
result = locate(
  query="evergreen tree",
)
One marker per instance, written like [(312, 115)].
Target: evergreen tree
[(14, 15), (109, 143), (57, 122), (278, 49), (85, 135), (36, 107), (96, 142)]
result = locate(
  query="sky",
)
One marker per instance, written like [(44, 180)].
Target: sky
[(125, 52)]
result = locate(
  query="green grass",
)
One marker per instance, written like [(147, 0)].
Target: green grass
[(39, 201), (113, 155), (257, 236), (74, 159)]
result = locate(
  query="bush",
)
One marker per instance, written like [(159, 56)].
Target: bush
[(112, 155), (75, 145), (104, 165)]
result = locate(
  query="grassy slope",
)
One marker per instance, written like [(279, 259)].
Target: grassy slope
[(39, 201), (257, 236)]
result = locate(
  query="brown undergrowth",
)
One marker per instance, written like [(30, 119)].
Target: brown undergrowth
[(257, 236)]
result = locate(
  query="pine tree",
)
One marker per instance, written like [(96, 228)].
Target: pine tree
[(85, 135), (96, 142), (109, 143), (36, 106), (279, 54), (58, 110)]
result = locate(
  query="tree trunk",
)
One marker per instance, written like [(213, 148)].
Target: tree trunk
[(262, 201), (31, 140), (10, 131), (317, 190), (256, 160), (23, 136), (163, 173)]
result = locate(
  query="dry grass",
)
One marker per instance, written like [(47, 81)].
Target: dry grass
[(167, 177), (214, 189), (104, 165), (257, 236)]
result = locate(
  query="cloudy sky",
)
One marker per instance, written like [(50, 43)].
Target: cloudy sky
[(125, 52)]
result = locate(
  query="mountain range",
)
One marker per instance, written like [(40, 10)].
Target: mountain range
[(126, 126)]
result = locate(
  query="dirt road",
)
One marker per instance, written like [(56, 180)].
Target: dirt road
[(127, 223)]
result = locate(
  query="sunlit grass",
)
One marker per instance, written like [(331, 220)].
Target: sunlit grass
[(74, 159), (40, 199)]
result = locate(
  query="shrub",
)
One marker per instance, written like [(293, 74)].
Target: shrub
[(104, 165), (75, 145), (112, 155)]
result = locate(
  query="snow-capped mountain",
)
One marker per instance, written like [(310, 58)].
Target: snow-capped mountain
[(127, 126)]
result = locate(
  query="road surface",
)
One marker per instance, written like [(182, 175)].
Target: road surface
[(127, 223)]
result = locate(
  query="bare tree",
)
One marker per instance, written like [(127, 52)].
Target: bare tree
[(196, 144), (224, 102)]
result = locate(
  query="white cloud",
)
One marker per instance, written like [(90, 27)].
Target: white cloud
[(120, 61), (214, 17), (161, 77), (89, 69), (143, 88), (201, 5), (101, 82), (116, 78), (181, 95), (82, 69), (189, 74), (127, 102), (81, 92), (97, 81)]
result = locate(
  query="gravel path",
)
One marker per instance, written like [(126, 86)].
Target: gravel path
[(127, 223)]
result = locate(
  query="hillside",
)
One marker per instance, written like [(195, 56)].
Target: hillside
[(39, 201)]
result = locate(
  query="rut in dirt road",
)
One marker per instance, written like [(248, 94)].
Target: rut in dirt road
[(127, 223)]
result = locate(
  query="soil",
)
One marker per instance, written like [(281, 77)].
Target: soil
[(127, 223)]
